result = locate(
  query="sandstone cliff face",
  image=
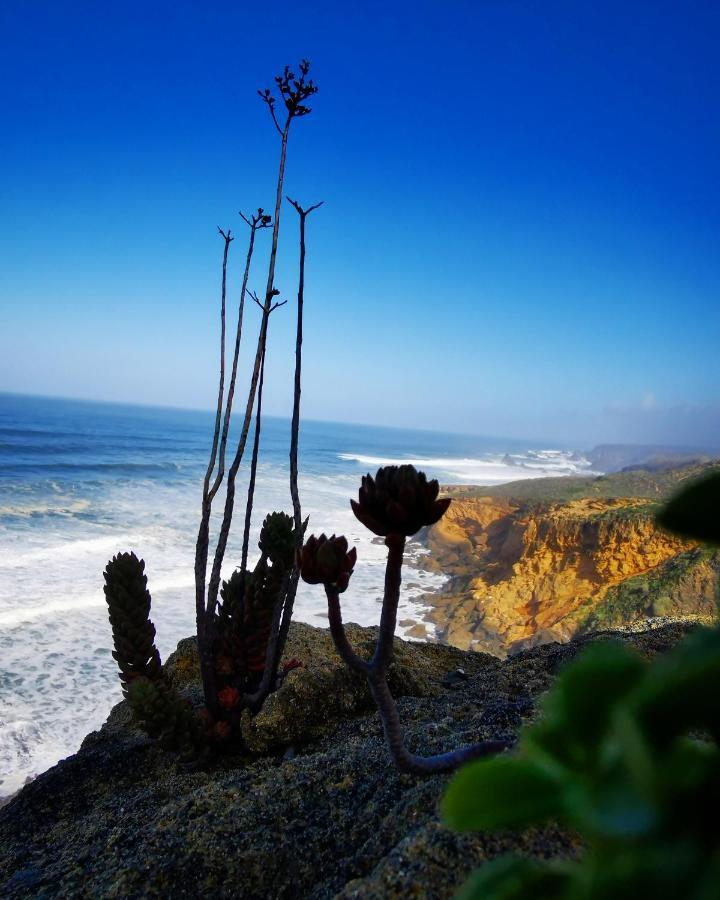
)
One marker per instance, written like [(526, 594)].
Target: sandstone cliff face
[(525, 573)]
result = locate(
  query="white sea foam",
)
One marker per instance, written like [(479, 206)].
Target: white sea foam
[(14, 617), (487, 470), (55, 640), (67, 550), (45, 509), (57, 677)]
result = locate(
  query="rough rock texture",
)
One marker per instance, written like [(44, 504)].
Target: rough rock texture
[(323, 815), (526, 572)]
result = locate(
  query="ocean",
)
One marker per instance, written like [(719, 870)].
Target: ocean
[(82, 481)]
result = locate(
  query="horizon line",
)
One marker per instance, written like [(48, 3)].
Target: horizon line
[(208, 410)]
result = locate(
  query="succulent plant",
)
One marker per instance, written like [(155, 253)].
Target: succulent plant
[(396, 503), (128, 601), (156, 705), (166, 716), (398, 500), (326, 560), (635, 773), (262, 591), (693, 512), (243, 623), (277, 539)]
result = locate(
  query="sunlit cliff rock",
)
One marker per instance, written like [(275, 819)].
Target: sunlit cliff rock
[(526, 571)]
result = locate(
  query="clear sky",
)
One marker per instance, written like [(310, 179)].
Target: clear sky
[(521, 229)]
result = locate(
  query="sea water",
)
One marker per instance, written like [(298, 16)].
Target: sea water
[(81, 481)]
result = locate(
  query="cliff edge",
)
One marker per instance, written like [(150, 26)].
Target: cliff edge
[(316, 812)]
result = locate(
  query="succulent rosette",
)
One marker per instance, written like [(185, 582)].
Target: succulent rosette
[(398, 500), (327, 560)]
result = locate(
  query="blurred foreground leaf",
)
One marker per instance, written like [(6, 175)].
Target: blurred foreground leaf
[(695, 511)]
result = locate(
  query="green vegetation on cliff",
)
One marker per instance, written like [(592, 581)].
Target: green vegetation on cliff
[(664, 591), (636, 483)]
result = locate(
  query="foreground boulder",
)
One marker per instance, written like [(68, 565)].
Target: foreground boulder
[(318, 812)]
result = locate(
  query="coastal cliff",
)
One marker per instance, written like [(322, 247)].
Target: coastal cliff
[(525, 569)]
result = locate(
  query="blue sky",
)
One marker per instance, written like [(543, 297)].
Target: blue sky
[(521, 228)]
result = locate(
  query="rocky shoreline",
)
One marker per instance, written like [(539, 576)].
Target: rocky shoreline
[(315, 812)]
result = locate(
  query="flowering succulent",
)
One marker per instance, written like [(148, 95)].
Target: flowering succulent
[(399, 500), (326, 560)]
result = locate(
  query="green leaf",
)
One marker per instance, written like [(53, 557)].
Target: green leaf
[(504, 792), (657, 869), (688, 789), (613, 810), (684, 690), (579, 709), (695, 511), (513, 878)]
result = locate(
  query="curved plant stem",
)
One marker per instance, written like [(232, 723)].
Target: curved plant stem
[(228, 238), (391, 597), (412, 762), (376, 673), (342, 644)]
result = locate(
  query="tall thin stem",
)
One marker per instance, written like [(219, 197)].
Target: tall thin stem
[(214, 584), (295, 426), (209, 492), (206, 495), (294, 442), (255, 223), (388, 617), (253, 468), (228, 238)]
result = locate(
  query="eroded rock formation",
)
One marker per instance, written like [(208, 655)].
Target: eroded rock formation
[(525, 572)]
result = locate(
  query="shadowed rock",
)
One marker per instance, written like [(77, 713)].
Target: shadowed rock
[(328, 818)]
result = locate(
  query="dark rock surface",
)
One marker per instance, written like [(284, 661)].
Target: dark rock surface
[(320, 814)]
